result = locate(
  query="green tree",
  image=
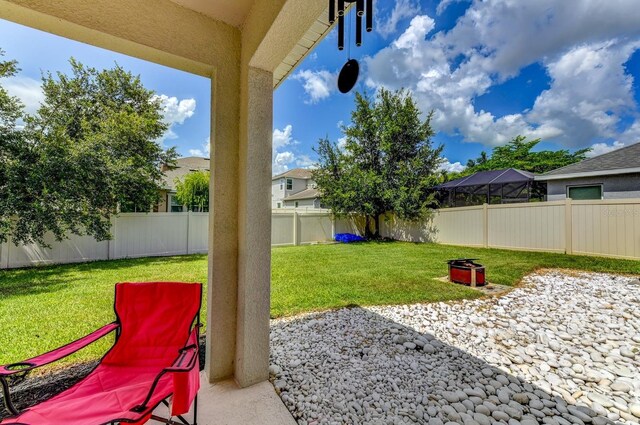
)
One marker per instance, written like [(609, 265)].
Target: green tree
[(388, 162), (193, 191), (11, 141), (90, 148), (519, 154)]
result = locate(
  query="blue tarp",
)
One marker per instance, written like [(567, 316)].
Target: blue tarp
[(348, 238)]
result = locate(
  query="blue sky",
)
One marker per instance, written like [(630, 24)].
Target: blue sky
[(567, 72)]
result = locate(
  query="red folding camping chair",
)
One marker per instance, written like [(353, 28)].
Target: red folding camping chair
[(154, 360)]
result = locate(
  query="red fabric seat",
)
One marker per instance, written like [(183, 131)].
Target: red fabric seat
[(157, 340)]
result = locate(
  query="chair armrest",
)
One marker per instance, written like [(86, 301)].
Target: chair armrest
[(186, 361), (58, 353)]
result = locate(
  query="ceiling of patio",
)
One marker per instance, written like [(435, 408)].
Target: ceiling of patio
[(232, 12), (235, 12)]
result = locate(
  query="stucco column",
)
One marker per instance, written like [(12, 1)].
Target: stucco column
[(254, 229), (240, 227), (222, 293)]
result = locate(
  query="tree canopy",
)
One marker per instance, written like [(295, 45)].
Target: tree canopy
[(388, 162), (193, 191), (518, 153), (90, 149)]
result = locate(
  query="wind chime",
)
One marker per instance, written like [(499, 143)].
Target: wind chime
[(364, 8)]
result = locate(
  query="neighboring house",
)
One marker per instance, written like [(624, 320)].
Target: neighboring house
[(613, 175), (294, 189), (184, 166)]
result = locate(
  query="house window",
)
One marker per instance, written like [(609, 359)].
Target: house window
[(584, 192), (296, 204), (279, 205), (175, 205), (289, 184), (281, 184)]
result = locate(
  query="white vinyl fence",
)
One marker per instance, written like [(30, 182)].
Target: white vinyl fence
[(609, 228), (162, 234), (603, 228)]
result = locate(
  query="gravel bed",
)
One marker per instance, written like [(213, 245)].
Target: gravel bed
[(564, 348)]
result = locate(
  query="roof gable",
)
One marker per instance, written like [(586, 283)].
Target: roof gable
[(296, 173)]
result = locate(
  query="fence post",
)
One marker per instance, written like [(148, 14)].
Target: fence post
[(4, 255), (111, 243), (333, 228), (188, 227), (295, 228), (485, 225), (568, 226)]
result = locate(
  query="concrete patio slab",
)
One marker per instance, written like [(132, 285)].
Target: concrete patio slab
[(224, 403)]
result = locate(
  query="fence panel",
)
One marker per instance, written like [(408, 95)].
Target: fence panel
[(146, 235), (394, 228), (459, 226), (533, 226), (609, 228), (76, 249), (282, 228), (314, 228), (198, 233)]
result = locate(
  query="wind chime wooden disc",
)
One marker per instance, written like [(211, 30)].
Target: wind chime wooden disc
[(348, 76)]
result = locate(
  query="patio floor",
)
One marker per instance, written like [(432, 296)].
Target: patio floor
[(224, 403)]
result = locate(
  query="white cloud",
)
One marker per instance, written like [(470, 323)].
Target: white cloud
[(175, 112), (451, 167), (305, 161), (282, 160), (582, 45), (318, 85), (28, 90), (589, 92), (601, 148), (402, 9), (342, 142), (414, 35), (282, 138), (204, 152)]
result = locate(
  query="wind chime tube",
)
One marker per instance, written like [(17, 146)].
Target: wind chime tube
[(340, 32), (369, 15), (358, 30), (340, 24), (332, 11)]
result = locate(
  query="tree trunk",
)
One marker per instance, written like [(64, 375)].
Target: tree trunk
[(377, 226), (367, 227)]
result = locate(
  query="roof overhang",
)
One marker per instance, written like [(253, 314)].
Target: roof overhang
[(588, 174), (314, 35)]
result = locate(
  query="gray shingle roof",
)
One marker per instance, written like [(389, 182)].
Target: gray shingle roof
[(296, 173), (620, 159), (184, 166), (305, 194)]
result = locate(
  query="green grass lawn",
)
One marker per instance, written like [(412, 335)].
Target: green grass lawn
[(41, 308)]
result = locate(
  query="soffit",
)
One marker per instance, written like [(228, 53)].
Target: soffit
[(232, 12)]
